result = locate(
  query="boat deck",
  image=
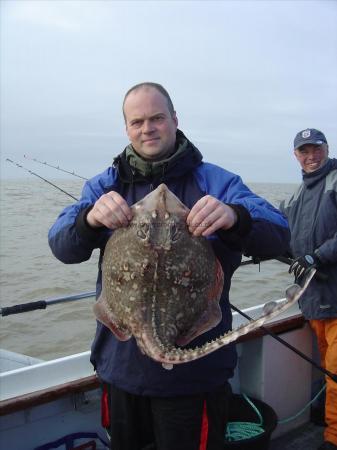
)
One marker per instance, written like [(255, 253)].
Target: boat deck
[(306, 437)]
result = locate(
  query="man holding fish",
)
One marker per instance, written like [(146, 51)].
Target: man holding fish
[(147, 406)]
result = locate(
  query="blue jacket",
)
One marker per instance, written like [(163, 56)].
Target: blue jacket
[(312, 215), (260, 231)]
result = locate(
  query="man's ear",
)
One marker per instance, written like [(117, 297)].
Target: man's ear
[(296, 155), (127, 130), (175, 118)]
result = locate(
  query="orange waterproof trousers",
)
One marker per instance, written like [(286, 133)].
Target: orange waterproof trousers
[(326, 332)]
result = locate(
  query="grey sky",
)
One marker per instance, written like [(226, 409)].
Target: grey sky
[(244, 77)]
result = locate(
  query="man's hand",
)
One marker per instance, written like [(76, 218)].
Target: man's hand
[(209, 215), (302, 265), (111, 211)]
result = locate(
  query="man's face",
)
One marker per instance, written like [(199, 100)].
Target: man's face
[(149, 124), (311, 157)]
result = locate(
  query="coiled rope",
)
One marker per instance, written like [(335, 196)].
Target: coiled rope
[(237, 431)]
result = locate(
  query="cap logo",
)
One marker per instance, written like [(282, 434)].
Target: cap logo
[(306, 134)]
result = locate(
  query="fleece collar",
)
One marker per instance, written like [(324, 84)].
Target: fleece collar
[(131, 167), (150, 169)]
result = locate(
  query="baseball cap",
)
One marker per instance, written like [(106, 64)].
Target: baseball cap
[(309, 136)]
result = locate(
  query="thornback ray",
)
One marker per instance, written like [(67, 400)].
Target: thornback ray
[(162, 285)]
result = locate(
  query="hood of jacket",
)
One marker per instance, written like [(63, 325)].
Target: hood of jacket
[(132, 168)]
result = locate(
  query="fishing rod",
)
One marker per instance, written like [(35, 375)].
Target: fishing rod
[(41, 178), (294, 349), (44, 163), (42, 304)]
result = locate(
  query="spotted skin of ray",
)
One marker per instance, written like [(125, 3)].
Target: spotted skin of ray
[(162, 285)]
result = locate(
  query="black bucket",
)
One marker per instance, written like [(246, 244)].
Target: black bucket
[(241, 411)]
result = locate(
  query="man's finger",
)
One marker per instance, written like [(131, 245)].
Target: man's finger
[(195, 211), (119, 200), (215, 226)]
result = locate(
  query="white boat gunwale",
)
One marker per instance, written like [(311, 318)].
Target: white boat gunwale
[(90, 382)]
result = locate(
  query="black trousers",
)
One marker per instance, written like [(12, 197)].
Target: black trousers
[(195, 422)]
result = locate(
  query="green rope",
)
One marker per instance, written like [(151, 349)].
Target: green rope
[(289, 419), (237, 431)]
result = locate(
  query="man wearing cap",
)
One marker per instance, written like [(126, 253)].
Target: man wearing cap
[(312, 217)]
